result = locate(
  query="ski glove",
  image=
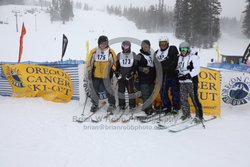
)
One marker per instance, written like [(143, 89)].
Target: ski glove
[(190, 67), (185, 77), (118, 75), (129, 75), (145, 70)]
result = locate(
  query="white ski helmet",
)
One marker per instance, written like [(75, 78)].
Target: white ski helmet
[(184, 45), (164, 39)]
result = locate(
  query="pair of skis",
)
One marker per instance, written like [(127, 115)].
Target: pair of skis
[(158, 117), (85, 118), (122, 116), (183, 125)]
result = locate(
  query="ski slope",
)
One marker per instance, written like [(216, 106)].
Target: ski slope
[(35, 132)]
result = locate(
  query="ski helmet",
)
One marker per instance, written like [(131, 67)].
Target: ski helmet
[(163, 39), (184, 45), (126, 46), (102, 39)]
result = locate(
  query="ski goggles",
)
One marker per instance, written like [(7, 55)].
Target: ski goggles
[(163, 43), (183, 49), (126, 46)]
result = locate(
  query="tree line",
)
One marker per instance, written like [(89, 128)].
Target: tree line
[(61, 10), (156, 18), (195, 21), (6, 2)]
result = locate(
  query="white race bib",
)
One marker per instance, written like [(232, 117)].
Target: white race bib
[(149, 59), (126, 60), (102, 56), (161, 56)]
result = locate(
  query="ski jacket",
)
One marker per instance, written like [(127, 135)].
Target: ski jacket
[(126, 63), (189, 64), (101, 63), (145, 60), (168, 59)]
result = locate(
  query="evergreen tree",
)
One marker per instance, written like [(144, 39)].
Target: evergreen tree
[(246, 21), (197, 21), (54, 11), (66, 10), (178, 18), (61, 10)]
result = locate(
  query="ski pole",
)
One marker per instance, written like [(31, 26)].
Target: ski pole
[(85, 103)]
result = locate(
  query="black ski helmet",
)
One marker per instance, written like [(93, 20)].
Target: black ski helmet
[(102, 39), (124, 44)]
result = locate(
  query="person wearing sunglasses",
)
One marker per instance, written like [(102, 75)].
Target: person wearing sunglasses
[(101, 63), (188, 70), (168, 56), (126, 68)]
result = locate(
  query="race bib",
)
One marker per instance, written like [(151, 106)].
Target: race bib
[(149, 60), (102, 56), (126, 60), (161, 56)]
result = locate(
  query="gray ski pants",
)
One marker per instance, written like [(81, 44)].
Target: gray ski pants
[(187, 89)]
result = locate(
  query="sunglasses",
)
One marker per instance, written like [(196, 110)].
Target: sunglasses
[(184, 49), (163, 43)]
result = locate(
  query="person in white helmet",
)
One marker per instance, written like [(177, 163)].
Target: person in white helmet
[(188, 70), (168, 56)]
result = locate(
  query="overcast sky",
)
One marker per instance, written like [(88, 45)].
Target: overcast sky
[(230, 8)]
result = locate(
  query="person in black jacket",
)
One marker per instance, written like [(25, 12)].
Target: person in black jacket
[(147, 75), (168, 57), (125, 70)]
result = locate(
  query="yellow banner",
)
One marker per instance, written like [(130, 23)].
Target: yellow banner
[(28, 80), (209, 92)]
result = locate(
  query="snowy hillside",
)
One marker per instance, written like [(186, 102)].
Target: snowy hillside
[(43, 40), (35, 132)]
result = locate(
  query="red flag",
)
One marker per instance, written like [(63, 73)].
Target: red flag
[(21, 43)]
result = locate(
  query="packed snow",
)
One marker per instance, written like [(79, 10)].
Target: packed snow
[(35, 132)]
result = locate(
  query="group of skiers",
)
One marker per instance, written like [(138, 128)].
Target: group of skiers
[(133, 72)]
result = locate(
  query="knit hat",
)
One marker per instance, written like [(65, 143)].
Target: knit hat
[(147, 42)]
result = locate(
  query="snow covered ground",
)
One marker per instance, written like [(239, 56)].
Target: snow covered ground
[(39, 133), (35, 132)]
